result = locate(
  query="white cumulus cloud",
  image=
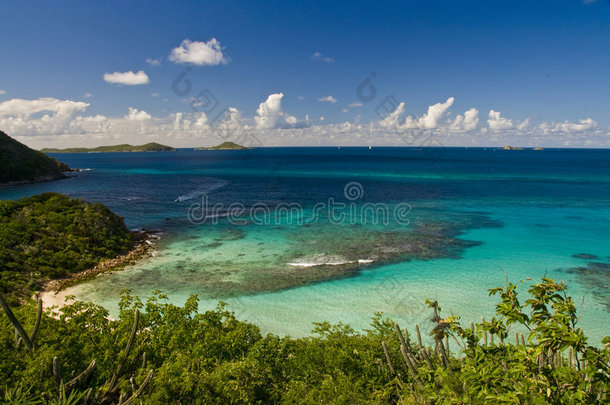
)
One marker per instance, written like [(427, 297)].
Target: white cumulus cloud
[(127, 78), (46, 122), (153, 62), (392, 120), (201, 121), (522, 126), (199, 53), (26, 108), (137, 115), (43, 116), (431, 119), (270, 115), (497, 123), (567, 126), (466, 122), (327, 99), (321, 58)]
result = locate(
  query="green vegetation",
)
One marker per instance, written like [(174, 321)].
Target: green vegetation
[(164, 354), (158, 353), (225, 146), (50, 236), (20, 164), (149, 147)]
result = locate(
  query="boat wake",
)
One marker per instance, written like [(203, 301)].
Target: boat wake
[(202, 190)]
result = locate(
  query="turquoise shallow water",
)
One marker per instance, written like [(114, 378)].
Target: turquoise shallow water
[(471, 219)]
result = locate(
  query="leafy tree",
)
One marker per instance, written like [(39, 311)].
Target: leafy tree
[(50, 236), (212, 357)]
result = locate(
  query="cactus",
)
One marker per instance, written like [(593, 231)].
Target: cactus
[(81, 377), (57, 371), (401, 338), (113, 385), (410, 366), (387, 357), (424, 354), (23, 335), (442, 353), (407, 339), (110, 388), (91, 396), (418, 337), (522, 340), (145, 383)]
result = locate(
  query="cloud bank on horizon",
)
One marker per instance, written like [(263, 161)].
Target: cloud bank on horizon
[(51, 121)]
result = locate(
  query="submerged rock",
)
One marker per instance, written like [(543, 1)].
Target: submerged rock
[(586, 256), (326, 252), (596, 277)]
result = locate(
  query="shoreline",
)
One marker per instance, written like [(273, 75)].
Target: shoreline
[(54, 292), (41, 179)]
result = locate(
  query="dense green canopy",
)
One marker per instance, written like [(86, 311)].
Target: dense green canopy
[(51, 235), (226, 145), (165, 354), (18, 163), (149, 147)]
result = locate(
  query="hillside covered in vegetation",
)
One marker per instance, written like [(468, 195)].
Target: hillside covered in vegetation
[(225, 146), (50, 236), (159, 353), (149, 147), (20, 164)]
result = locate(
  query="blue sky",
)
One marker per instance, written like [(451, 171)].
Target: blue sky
[(543, 65)]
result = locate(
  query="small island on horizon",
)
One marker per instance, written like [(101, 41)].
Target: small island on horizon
[(149, 147), (225, 146), (508, 147)]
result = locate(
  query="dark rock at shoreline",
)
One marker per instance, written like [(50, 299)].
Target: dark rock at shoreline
[(143, 246)]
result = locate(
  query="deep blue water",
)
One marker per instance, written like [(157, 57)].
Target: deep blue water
[(514, 214)]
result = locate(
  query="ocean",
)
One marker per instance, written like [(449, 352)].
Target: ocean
[(292, 236)]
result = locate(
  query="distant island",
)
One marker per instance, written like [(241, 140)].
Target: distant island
[(149, 147), (508, 147), (20, 164), (225, 146)]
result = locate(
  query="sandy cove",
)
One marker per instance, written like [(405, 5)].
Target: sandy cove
[(54, 292)]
